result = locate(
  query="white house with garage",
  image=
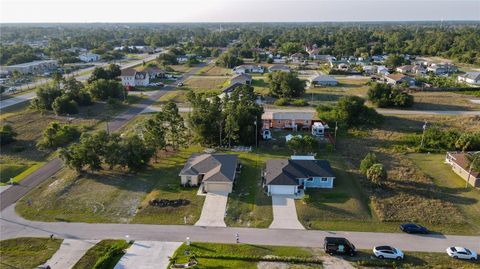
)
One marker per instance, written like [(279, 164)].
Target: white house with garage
[(89, 57), (293, 176)]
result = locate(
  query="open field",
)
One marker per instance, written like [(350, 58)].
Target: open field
[(443, 101), (213, 70), (206, 83), (115, 196), (409, 194), (182, 68), (27, 252), (109, 251)]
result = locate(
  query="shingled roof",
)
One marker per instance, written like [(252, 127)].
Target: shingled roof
[(214, 167), (287, 172)]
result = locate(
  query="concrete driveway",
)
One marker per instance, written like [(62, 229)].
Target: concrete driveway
[(285, 213), (213, 211), (148, 255), (69, 253)]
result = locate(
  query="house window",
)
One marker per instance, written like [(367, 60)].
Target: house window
[(189, 179), (324, 179), (278, 121), (310, 179)]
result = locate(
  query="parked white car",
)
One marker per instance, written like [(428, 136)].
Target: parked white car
[(462, 253), (387, 252)]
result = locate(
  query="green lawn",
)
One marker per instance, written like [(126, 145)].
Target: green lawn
[(105, 252), (17, 171), (248, 205), (330, 208), (27, 252), (115, 196), (212, 255), (452, 185)]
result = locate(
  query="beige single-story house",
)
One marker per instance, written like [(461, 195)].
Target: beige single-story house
[(460, 165), (213, 172), (242, 79)]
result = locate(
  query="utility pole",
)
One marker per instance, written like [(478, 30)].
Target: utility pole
[(256, 133), (335, 140), (423, 134)]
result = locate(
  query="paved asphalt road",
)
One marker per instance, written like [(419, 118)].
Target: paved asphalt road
[(12, 226), (12, 194), (30, 95)]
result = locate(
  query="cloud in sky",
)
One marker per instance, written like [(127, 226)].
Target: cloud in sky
[(235, 10)]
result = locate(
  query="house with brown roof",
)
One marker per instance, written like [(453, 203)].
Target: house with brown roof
[(461, 166), (292, 176), (295, 120), (394, 79), (213, 172)]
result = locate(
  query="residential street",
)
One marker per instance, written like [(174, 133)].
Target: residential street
[(30, 95), (12, 194), (14, 226)]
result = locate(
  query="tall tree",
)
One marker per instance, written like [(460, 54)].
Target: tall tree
[(285, 84)]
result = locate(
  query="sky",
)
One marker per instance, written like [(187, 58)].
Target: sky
[(236, 10)]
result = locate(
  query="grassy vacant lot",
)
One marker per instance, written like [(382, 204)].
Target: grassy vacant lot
[(27, 252), (213, 70), (260, 85), (443, 101), (211, 255), (409, 193), (115, 196), (182, 68), (248, 205), (206, 83), (108, 252), (452, 185), (365, 259)]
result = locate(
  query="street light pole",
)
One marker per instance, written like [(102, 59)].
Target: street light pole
[(423, 134), (256, 133)]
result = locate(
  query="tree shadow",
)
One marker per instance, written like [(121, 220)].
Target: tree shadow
[(436, 106)]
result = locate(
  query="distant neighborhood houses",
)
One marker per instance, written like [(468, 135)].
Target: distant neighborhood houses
[(34, 67), (293, 176), (242, 69)]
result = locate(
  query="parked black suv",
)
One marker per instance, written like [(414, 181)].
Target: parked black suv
[(413, 228), (339, 245)]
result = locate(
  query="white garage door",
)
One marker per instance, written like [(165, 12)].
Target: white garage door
[(282, 189)]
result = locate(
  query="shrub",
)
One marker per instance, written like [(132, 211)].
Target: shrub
[(64, 105), (367, 162), (377, 174), (383, 95), (7, 134), (300, 102), (281, 102), (56, 135), (350, 111)]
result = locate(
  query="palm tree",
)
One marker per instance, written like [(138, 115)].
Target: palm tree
[(474, 164)]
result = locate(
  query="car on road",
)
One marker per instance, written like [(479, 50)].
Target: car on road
[(339, 245), (462, 253), (180, 84), (413, 228), (387, 252)]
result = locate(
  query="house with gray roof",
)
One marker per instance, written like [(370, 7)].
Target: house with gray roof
[(322, 80), (293, 176), (470, 78), (214, 172)]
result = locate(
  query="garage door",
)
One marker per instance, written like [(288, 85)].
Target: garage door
[(282, 189), (218, 187)]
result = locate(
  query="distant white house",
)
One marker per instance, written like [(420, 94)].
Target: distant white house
[(133, 78), (182, 58), (89, 57), (382, 70), (470, 78), (243, 69)]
